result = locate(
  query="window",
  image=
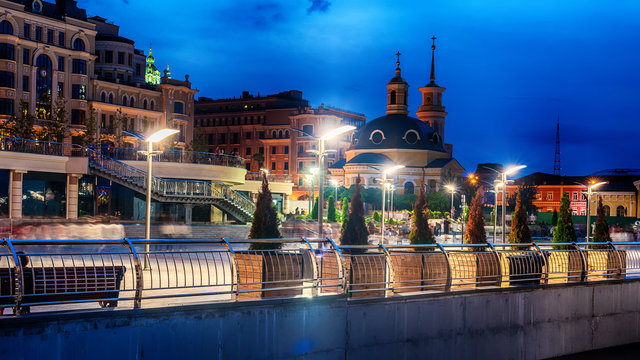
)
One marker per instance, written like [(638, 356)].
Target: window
[(273, 149), (273, 166), (6, 79), (308, 129), (247, 135), (138, 72), (261, 150), (26, 56), (77, 116), (6, 27), (286, 134), (248, 151), (79, 66), (103, 97), (50, 36), (549, 196), (110, 98), (178, 107), (6, 106), (574, 196), (61, 39), (27, 31), (108, 56), (300, 150), (235, 138), (300, 166), (607, 210), (261, 135), (408, 187), (247, 166), (120, 57), (60, 63), (223, 138), (61, 88), (124, 100), (621, 211), (286, 149), (131, 102), (25, 83), (152, 105), (392, 97), (6, 51), (78, 44), (286, 165), (130, 57), (210, 139), (78, 92), (103, 121), (38, 33), (377, 137)]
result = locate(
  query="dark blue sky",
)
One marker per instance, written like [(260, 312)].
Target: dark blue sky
[(510, 67)]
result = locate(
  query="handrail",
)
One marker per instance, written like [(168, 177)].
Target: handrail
[(225, 269), (179, 156)]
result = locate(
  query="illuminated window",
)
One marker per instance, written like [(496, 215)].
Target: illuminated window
[(574, 196), (549, 196), (621, 211)]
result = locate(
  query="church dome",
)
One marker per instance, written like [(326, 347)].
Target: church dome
[(397, 131)]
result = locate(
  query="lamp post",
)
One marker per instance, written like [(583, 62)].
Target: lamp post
[(309, 181), (335, 186), (589, 191), (155, 137), (511, 170), (453, 190), (496, 185), (384, 181)]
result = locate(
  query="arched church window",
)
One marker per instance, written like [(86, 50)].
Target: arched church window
[(103, 97), (411, 137), (144, 104), (111, 98), (377, 137), (621, 211), (607, 210), (409, 187), (392, 99)]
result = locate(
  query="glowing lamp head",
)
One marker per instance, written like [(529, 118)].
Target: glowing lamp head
[(161, 135)]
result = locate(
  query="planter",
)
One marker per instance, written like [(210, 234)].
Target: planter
[(260, 271), (525, 269), (367, 271)]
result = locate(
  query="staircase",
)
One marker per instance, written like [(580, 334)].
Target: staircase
[(198, 192)]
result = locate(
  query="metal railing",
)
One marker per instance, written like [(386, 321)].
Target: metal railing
[(52, 273), (179, 156), (170, 187), (271, 177), (40, 147)]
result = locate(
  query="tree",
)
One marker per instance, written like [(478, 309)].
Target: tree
[(23, 126), (199, 142), (331, 209), (259, 157), (564, 231), (420, 231), (345, 209), (439, 201), (554, 218), (527, 195), (354, 231), (376, 216), (475, 233), (314, 211), (91, 129), (601, 229), (265, 224), (56, 128), (520, 232), (120, 123), (493, 216)]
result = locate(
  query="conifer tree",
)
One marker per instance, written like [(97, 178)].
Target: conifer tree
[(265, 220), (564, 231), (475, 233), (314, 211), (345, 210), (331, 209), (520, 232), (56, 128), (420, 231), (89, 136), (376, 216), (601, 229), (354, 230), (23, 125), (554, 218)]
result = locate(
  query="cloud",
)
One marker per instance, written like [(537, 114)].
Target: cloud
[(319, 6)]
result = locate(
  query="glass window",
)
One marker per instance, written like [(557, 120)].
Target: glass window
[(108, 56), (79, 66), (6, 27), (130, 57), (61, 39), (152, 105), (138, 72), (103, 121), (6, 79), (286, 149), (261, 134), (6, 52), (574, 196), (26, 56), (44, 194), (247, 151), (38, 33), (273, 166), (50, 36), (549, 196), (131, 102), (273, 149), (286, 165), (144, 104), (60, 63), (27, 31), (77, 116), (308, 129), (78, 44), (124, 100), (300, 166), (60, 88), (223, 138), (261, 150), (6, 106), (621, 211), (44, 83), (103, 97), (78, 92), (178, 107), (110, 98), (25, 83), (120, 57), (247, 135)]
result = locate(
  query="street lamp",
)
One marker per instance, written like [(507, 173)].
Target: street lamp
[(589, 191), (453, 190), (496, 186), (386, 172), (309, 179), (155, 137), (335, 184), (511, 170)]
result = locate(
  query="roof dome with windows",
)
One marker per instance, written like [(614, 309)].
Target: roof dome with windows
[(397, 131)]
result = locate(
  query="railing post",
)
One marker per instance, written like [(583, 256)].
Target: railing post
[(390, 276), (314, 267), (583, 276), (623, 268), (495, 253), (447, 286), (18, 278), (546, 263), (341, 267), (137, 301), (235, 274)]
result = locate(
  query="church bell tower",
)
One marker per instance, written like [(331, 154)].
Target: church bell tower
[(432, 112), (397, 91)]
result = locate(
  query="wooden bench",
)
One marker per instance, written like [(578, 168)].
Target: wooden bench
[(61, 284)]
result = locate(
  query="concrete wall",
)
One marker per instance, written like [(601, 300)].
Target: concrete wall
[(496, 323)]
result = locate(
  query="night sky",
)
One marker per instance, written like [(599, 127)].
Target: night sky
[(511, 68)]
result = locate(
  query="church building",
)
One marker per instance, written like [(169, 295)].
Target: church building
[(399, 139)]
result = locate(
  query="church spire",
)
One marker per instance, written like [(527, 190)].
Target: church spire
[(433, 62), (397, 91)]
